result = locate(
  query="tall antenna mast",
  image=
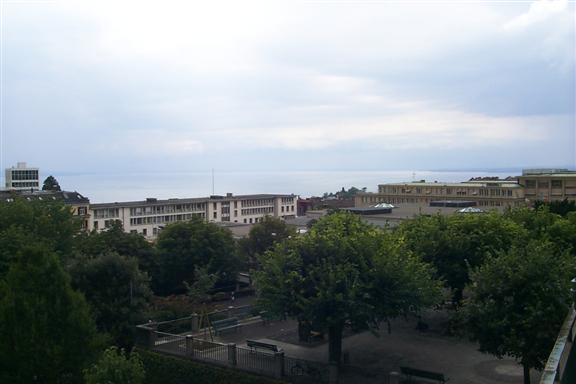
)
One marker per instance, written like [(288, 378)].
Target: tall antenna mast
[(212, 181)]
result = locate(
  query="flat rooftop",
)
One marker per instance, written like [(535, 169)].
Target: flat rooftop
[(194, 200), (483, 183)]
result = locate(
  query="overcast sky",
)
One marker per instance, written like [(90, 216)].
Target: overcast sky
[(138, 86)]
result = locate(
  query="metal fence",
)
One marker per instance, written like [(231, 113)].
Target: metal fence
[(305, 371), (259, 362), (170, 343), (191, 324), (208, 351), (176, 326), (174, 337)]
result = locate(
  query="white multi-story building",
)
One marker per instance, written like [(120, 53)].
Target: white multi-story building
[(148, 217), (22, 178)]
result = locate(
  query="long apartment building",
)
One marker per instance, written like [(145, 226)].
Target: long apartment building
[(150, 216), (486, 193), (534, 184)]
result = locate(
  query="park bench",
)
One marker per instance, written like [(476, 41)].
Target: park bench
[(243, 312), (412, 372), (221, 326), (260, 345)]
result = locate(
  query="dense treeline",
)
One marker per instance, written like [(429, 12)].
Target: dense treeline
[(66, 295)]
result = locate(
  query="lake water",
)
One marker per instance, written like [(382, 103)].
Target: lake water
[(105, 188)]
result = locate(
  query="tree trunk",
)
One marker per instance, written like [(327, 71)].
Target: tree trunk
[(335, 343), (526, 374), (457, 297), (304, 329)]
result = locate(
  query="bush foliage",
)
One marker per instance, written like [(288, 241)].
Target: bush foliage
[(162, 369)]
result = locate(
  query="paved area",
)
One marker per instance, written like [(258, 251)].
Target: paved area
[(372, 357)]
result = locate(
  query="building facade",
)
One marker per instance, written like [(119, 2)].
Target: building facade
[(22, 177), (485, 193), (548, 184), (150, 216)]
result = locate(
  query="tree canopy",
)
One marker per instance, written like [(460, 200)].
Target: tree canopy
[(264, 235), (344, 194), (51, 184), (22, 223), (116, 367), (518, 301), (117, 291), (46, 331), (343, 271), (185, 245), (454, 244), (562, 207), (544, 225), (115, 240)]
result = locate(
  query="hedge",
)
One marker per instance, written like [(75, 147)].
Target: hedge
[(163, 369)]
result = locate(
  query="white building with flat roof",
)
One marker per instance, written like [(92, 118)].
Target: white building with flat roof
[(150, 216), (22, 177)]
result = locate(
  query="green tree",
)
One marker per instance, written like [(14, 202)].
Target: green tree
[(46, 332), (184, 246), (561, 208), (23, 222), (115, 240), (518, 302), (343, 271), (116, 367), (264, 235), (198, 291), (454, 244), (544, 225), (536, 221), (117, 291), (51, 184)]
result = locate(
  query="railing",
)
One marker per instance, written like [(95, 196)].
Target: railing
[(300, 370), (558, 361), (271, 364), (256, 361), (176, 326), (166, 342), (192, 323), (208, 351)]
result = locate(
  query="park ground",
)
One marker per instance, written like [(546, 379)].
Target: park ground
[(369, 358)]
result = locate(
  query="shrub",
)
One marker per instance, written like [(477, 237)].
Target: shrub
[(162, 369)]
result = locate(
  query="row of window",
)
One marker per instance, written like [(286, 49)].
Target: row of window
[(543, 183), (25, 184), (257, 202), (252, 221), (400, 200), (287, 208), (257, 211), (287, 200), (25, 175), (106, 213), (164, 219), (448, 191), (160, 209), (155, 231)]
